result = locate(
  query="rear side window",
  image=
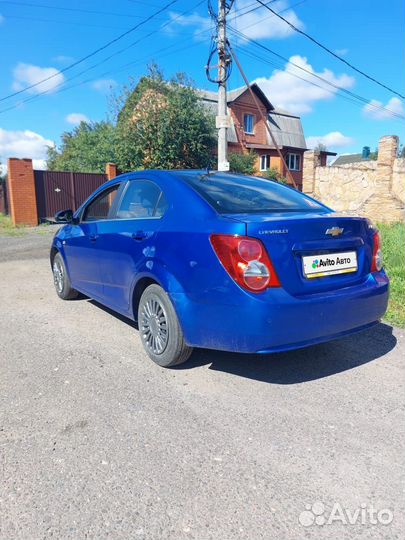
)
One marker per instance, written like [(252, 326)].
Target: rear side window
[(142, 199), (237, 194)]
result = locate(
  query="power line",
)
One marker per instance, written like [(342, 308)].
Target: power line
[(103, 47), (53, 21), (104, 74), (352, 95), (330, 51), (145, 2), (260, 21), (241, 12), (263, 118), (74, 10), (61, 88), (254, 56), (32, 98)]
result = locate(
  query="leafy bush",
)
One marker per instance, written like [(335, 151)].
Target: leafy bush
[(242, 163), (273, 174)]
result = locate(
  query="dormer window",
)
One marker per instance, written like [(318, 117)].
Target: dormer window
[(249, 124)]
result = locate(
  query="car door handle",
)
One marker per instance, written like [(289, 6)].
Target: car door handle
[(139, 235), (93, 237)]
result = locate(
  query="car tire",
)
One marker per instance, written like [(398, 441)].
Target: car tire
[(159, 328), (61, 279)]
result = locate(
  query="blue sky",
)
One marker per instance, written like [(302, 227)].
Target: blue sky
[(38, 38)]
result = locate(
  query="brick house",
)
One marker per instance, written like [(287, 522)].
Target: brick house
[(248, 132)]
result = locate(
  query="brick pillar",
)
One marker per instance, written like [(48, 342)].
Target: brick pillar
[(111, 170), (311, 162), (387, 153), (21, 192)]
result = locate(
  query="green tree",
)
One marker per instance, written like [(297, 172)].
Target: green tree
[(373, 155), (242, 163), (163, 125), (85, 149)]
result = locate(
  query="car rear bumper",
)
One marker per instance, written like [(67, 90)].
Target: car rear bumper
[(276, 321)]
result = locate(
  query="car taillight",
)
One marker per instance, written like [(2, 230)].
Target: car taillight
[(377, 262), (246, 261)]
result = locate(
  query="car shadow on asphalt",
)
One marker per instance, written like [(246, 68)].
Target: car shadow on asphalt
[(292, 367), (301, 365), (115, 314)]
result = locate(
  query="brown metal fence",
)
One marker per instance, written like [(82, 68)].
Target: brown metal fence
[(62, 190), (3, 199)]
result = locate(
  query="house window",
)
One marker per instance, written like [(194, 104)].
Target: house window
[(265, 162), (294, 162), (248, 123)]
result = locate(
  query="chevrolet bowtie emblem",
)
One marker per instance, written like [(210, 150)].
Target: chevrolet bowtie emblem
[(334, 231)]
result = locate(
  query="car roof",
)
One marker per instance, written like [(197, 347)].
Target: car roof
[(160, 174)]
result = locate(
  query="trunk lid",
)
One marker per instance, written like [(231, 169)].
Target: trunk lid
[(290, 237)]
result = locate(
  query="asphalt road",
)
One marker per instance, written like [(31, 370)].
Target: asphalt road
[(98, 442)]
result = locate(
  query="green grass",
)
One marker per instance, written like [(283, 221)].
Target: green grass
[(393, 246), (8, 229)]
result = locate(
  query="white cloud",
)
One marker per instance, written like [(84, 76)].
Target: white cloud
[(296, 95), (2, 19), (76, 118), (23, 144), (393, 106), (341, 52), (39, 164), (334, 139), (258, 24), (183, 21), (62, 59), (104, 85), (27, 74), (262, 24)]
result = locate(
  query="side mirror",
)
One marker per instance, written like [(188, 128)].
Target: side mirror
[(64, 216)]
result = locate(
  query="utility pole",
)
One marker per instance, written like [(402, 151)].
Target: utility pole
[(222, 120)]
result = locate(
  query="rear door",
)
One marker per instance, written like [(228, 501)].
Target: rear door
[(128, 240)]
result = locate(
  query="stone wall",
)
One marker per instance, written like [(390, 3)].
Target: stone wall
[(398, 184), (375, 189)]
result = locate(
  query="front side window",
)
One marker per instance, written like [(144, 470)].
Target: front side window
[(142, 199), (265, 162), (100, 207), (248, 123), (294, 162), (236, 194)]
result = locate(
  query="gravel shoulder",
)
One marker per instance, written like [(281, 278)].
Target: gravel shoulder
[(98, 442)]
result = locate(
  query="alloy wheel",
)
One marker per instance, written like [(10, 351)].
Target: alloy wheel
[(153, 325), (58, 276)]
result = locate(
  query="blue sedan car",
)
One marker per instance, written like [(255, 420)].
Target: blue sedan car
[(220, 261)]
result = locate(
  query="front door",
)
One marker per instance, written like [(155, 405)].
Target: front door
[(83, 249)]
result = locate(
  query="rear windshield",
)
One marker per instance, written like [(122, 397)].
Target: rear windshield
[(236, 194)]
